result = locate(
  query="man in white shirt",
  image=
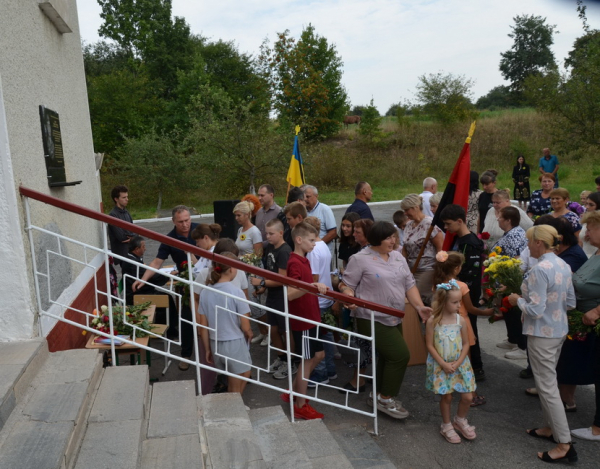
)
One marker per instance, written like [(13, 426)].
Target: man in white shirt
[(328, 229), (429, 188)]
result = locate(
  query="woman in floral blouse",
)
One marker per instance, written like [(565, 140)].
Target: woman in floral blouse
[(414, 236), (513, 241), (547, 294), (559, 199), (540, 199)]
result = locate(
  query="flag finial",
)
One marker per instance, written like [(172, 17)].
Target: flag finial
[(471, 132), (297, 129)]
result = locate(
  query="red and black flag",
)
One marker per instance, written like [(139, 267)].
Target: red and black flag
[(457, 190)]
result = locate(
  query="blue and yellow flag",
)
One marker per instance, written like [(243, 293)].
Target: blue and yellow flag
[(295, 175)]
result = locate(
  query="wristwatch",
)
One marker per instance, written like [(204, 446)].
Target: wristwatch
[(262, 282)]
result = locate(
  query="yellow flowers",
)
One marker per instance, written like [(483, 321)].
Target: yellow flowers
[(504, 270)]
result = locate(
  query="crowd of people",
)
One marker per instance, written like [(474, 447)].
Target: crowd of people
[(556, 238)]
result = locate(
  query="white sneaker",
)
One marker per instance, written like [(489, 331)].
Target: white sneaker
[(257, 339), (516, 354), (389, 406), (506, 344), (585, 434), (275, 365), (266, 341), (282, 371)]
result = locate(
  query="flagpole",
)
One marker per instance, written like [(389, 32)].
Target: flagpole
[(428, 236)]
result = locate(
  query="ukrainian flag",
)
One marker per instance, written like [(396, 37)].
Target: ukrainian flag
[(295, 175)]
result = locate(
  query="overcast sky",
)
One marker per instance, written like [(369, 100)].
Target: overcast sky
[(385, 44)]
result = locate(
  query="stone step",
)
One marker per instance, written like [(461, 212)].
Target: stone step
[(117, 420), (320, 446), (360, 447), (173, 439), (173, 409), (45, 428), (19, 363), (278, 441), (230, 438)]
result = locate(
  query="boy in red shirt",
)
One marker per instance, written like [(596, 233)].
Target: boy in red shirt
[(305, 306)]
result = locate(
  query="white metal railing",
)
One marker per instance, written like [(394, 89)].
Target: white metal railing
[(116, 306)]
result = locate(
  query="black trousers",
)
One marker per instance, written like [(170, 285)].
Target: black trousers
[(514, 327), (475, 349)]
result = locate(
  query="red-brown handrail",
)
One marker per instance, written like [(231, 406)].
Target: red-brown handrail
[(86, 212)]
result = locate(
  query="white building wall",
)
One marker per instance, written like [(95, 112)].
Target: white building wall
[(40, 66)]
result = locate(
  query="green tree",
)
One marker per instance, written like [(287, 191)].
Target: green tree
[(499, 97), (357, 110), (145, 30), (370, 122), (123, 105), (571, 100), (230, 139), (154, 162), (446, 97), (530, 53), (305, 83)]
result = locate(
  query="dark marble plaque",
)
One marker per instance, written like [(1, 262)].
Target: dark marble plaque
[(53, 149)]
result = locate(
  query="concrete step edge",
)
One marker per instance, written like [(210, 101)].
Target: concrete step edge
[(18, 388)]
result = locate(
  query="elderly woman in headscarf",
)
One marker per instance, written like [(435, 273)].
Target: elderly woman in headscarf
[(414, 237)]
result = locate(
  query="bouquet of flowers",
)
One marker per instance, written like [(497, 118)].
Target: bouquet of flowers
[(123, 323), (503, 276), (251, 259), (577, 329)]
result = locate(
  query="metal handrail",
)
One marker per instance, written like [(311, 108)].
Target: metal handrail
[(99, 216), (189, 281)]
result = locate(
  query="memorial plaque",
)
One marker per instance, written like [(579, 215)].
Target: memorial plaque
[(53, 149)]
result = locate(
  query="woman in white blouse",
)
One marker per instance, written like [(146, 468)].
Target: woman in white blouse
[(547, 294), (501, 199)]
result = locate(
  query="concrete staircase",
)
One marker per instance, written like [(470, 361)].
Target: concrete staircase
[(64, 411)]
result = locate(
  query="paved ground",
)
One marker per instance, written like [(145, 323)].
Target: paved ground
[(416, 442)]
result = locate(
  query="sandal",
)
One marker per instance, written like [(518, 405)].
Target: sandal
[(463, 427), (532, 392), (478, 400), (448, 432), (533, 432)]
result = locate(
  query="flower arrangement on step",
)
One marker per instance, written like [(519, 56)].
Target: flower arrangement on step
[(503, 276), (123, 323), (577, 329)]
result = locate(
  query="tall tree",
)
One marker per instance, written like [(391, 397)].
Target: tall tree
[(228, 138), (305, 82), (145, 30), (530, 53), (446, 97)]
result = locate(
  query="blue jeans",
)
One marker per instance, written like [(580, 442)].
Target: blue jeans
[(326, 367)]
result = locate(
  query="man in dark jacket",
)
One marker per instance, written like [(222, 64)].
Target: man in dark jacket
[(119, 238)]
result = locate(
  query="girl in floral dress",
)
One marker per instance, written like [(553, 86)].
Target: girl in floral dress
[(448, 366)]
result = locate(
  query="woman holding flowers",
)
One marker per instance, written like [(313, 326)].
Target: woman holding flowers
[(587, 286), (547, 294)]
